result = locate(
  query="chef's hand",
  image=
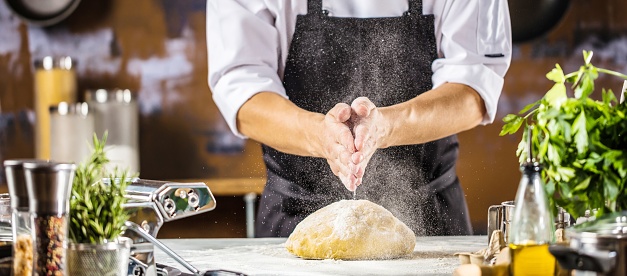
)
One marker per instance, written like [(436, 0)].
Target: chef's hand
[(369, 130), (338, 144)]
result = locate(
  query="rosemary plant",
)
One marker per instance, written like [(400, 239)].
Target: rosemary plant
[(96, 212)]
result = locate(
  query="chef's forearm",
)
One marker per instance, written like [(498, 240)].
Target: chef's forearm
[(449, 109), (275, 121)]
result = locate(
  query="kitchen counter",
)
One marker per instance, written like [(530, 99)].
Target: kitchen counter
[(268, 256)]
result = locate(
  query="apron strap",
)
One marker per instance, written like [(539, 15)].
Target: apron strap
[(415, 7), (314, 7)]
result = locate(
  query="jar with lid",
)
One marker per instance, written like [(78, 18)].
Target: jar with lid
[(116, 112), (20, 217), (5, 219), (49, 185), (55, 82), (71, 132)]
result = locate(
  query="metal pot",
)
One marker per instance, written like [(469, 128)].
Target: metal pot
[(598, 246), (42, 13), (534, 18)]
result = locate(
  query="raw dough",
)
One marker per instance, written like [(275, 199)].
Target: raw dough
[(351, 230)]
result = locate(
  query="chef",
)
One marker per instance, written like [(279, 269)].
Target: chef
[(359, 98)]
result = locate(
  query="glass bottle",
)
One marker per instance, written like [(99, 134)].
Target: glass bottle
[(532, 225)]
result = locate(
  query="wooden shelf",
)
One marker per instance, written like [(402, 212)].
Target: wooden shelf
[(230, 186)]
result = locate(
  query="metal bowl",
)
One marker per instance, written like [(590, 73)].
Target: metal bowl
[(42, 12)]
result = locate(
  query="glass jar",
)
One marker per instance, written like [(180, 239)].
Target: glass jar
[(71, 132), (116, 112), (22, 243), (55, 82), (20, 217), (6, 234), (49, 185)]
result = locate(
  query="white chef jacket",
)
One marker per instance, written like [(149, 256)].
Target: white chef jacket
[(248, 42)]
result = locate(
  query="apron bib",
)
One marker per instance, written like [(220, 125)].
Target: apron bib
[(388, 60)]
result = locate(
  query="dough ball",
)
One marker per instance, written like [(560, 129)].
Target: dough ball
[(351, 230)]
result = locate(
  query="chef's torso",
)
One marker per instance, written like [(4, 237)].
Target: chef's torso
[(249, 41)]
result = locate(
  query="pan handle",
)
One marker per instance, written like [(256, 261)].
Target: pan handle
[(599, 261)]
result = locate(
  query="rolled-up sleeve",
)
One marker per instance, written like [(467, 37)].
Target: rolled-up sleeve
[(475, 48), (243, 53)]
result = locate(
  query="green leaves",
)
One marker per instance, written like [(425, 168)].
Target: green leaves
[(581, 133), (512, 124), (96, 211), (581, 142)]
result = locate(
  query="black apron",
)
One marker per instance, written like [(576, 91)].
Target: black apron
[(388, 60)]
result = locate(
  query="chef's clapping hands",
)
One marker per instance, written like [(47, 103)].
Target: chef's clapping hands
[(368, 129), (339, 145), (353, 134)]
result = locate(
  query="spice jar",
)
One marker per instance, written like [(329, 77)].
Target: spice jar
[(20, 217), (6, 235), (49, 186), (116, 112), (55, 82), (71, 132)]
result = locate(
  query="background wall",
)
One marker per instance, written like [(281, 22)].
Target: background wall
[(157, 48)]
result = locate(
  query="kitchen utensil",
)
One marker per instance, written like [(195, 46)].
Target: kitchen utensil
[(49, 185), (99, 259), (141, 232), (597, 246), (43, 13), (533, 18), (500, 217), (153, 202), (20, 217)]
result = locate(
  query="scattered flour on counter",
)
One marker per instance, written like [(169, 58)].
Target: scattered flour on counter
[(429, 257)]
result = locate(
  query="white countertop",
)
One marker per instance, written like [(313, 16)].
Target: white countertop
[(268, 256)]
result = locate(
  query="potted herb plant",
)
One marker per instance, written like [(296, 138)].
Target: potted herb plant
[(97, 218), (581, 142)]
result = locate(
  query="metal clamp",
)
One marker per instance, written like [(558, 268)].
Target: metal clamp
[(137, 229)]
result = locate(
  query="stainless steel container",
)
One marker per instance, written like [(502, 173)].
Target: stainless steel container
[(99, 259), (598, 246), (500, 218), (49, 186)]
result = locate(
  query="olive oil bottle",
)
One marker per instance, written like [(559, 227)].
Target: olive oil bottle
[(532, 224)]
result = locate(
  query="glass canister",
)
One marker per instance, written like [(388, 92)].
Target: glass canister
[(116, 112), (20, 217), (71, 132), (49, 185), (6, 234), (55, 82)]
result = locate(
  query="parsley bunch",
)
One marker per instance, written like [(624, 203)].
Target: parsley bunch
[(581, 142), (97, 214)]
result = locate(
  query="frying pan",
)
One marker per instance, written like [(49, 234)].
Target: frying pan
[(534, 18), (42, 12)]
